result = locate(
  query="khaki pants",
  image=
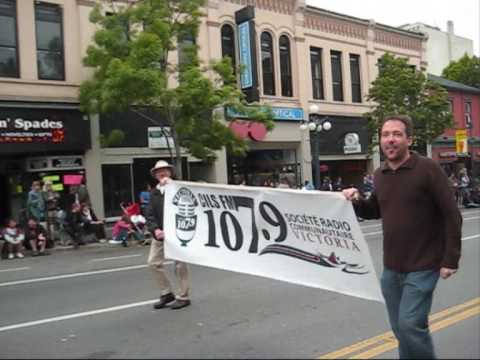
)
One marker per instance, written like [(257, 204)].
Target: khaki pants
[(156, 260)]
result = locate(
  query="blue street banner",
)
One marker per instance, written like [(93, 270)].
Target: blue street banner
[(246, 76), (255, 230)]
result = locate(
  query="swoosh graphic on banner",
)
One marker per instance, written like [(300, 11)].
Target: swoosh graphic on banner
[(331, 261)]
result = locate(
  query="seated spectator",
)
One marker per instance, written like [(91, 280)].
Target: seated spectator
[(121, 231), (74, 224), (91, 224), (13, 239), (36, 235), (307, 186)]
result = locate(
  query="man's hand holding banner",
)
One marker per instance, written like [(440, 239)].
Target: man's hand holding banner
[(310, 238)]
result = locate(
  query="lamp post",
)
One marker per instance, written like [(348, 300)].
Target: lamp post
[(315, 125)]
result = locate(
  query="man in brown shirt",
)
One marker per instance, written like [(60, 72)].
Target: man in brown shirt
[(421, 234)]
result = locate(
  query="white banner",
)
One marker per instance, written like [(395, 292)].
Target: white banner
[(310, 238)]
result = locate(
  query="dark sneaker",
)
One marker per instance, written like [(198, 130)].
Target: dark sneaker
[(35, 253), (179, 303), (164, 300)]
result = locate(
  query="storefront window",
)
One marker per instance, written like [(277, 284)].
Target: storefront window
[(117, 187), (265, 168)]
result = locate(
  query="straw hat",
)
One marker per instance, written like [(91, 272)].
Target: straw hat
[(160, 164)]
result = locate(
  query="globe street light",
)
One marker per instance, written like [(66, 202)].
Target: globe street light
[(315, 125)]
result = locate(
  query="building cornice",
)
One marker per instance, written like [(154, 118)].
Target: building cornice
[(278, 6)]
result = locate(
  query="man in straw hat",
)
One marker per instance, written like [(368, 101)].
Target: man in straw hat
[(162, 171)]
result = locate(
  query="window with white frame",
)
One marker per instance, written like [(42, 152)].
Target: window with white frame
[(8, 39)]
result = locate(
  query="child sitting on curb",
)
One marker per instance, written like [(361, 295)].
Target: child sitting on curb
[(37, 237), (13, 239), (121, 230)]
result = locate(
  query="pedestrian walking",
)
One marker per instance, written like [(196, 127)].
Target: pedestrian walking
[(162, 172), (144, 197), (421, 233)]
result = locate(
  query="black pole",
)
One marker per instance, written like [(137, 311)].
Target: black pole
[(316, 155)]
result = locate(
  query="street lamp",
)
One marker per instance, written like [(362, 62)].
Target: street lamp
[(315, 125)]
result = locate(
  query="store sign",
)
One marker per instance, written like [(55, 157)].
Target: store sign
[(19, 130), (352, 144), (249, 129), (279, 113), (51, 163), (246, 76), (461, 141), (158, 137), (257, 231), (447, 154), (34, 130), (67, 162)]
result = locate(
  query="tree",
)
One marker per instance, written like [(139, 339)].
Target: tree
[(131, 57), (466, 71), (401, 89)]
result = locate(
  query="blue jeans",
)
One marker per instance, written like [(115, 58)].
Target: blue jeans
[(408, 297), (122, 236)]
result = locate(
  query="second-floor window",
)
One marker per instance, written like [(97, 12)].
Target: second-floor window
[(268, 72), (228, 43), (48, 25), (8, 39), (337, 78), (285, 66), (317, 72), (468, 114), (355, 78), (186, 44)]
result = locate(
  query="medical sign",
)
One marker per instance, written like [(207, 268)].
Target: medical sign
[(257, 231)]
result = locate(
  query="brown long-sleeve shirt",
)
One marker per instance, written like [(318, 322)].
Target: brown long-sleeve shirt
[(422, 225)]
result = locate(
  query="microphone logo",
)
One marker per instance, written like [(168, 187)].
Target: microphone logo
[(185, 218)]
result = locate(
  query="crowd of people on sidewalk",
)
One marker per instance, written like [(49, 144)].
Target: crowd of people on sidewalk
[(50, 219)]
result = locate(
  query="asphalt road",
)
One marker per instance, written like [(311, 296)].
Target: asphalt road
[(97, 303)]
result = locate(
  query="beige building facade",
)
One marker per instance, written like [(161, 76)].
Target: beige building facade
[(305, 56)]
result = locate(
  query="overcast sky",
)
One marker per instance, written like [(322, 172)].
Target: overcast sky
[(465, 14)]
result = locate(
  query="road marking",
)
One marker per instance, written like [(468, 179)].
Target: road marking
[(116, 257), (77, 315), (460, 312), (16, 269), (392, 344), (470, 237), (471, 218), (373, 233), (369, 226), (463, 238), (87, 273), (66, 276)]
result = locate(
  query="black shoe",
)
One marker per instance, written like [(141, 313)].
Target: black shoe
[(179, 303), (164, 300), (36, 253), (124, 244)]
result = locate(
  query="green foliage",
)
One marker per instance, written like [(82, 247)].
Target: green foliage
[(114, 138), (466, 71), (130, 57), (400, 89)]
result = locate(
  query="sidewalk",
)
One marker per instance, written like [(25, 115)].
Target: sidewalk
[(97, 244)]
